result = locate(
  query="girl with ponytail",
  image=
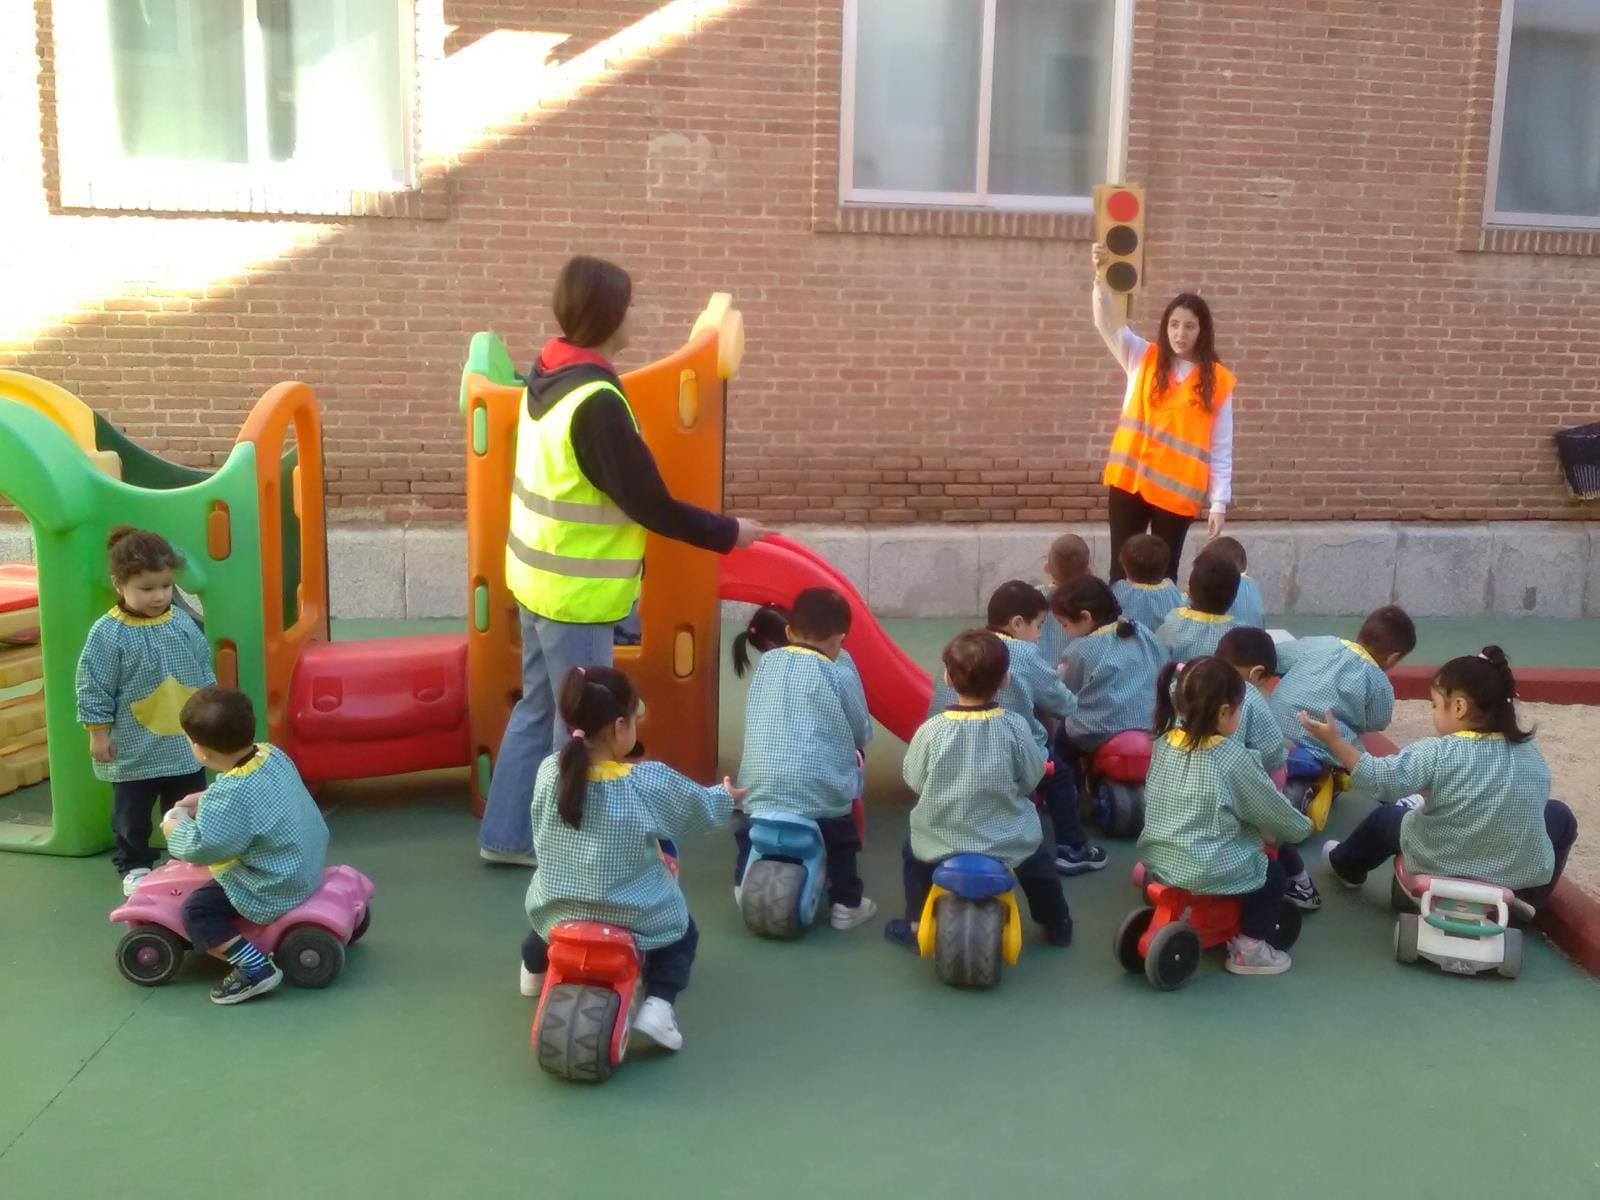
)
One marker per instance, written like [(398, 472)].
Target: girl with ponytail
[(768, 629), (1488, 814), (598, 824)]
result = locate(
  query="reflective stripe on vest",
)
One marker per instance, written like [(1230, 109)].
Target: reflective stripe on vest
[(571, 554), (1161, 450)]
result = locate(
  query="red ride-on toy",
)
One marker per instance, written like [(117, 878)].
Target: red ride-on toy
[(1164, 937), (586, 1008), (1116, 777)]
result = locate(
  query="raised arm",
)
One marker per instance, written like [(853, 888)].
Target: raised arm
[(1106, 318)]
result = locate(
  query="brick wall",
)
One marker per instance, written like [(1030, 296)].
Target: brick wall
[(1314, 167)]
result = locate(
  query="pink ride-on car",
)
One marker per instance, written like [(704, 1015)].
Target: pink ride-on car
[(307, 942)]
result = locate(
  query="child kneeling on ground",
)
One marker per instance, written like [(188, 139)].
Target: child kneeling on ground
[(1209, 807), (1488, 815), (1194, 631), (598, 823), (256, 827), (974, 767), (806, 722)]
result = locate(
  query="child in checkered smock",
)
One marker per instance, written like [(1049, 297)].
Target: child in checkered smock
[(598, 823), (1252, 652), (1247, 608), (1194, 631), (1145, 593), (1209, 806), (1348, 679), (1065, 564), (141, 661), (806, 723), (1488, 814), (973, 767)]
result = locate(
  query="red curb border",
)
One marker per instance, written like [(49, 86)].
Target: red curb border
[(1572, 918), (1537, 685)]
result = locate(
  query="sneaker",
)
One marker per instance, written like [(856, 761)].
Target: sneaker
[(659, 1023), (841, 917), (901, 932), (130, 881), (1247, 956), (239, 987), (1060, 936), (530, 982), (1302, 893), (1078, 860), (506, 859), (1327, 859), (1410, 803)]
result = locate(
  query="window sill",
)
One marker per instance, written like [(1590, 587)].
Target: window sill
[(1496, 239), (952, 222), (427, 200)]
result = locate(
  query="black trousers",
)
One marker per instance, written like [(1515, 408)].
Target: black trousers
[(1036, 875), (209, 916), (1259, 910), (840, 839), (666, 971), (132, 802), (1132, 514)]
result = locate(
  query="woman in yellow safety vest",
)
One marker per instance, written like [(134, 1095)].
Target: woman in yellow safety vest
[(1173, 449), (584, 492)]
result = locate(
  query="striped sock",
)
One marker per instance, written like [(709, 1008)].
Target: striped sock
[(247, 956)]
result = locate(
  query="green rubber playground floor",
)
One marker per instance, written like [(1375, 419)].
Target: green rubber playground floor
[(834, 1066)]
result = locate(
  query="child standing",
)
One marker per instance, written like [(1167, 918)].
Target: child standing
[(767, 629), (141, 661), (1067, 562), (1194, 632), (1348, 679), (1252, 652), (256, 827), (1247, 608), (973, 767), (1208, 806), (598, 822), (1145, 593), (806, 723), (1488, 815)]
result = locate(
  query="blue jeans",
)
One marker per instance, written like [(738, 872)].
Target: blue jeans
[(549, 650)]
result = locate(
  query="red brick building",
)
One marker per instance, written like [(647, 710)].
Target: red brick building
[(1392, 207)]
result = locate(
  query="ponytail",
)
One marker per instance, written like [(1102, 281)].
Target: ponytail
[(1126, 628), (1190, 697), (1490, 688), (767, 630), (591, 700), (1166, 709)]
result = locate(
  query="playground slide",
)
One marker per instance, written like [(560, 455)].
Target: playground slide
[(775, 570)]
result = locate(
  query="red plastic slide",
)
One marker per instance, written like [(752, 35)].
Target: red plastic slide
[(776, 570)]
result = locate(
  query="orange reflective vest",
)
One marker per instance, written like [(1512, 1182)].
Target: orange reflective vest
[(1162, 448)]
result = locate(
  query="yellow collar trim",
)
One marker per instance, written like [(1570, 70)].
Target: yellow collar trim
[(1205, 618), (1151, 587), (981, 714), (1004, 637), (1477, 735), (608, 769), (252, 764), (1362, 651), (127, 618), (1175, 740), (1111, 627), (805, 650)]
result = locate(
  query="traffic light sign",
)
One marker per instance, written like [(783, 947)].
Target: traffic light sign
[(1119, 227)]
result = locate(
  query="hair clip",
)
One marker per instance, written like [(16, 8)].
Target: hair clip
[(578, 734)]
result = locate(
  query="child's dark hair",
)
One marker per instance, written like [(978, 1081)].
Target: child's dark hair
[(1068, 558), (1095, 597), (1190, 696), (591, 298), (1012, 599), (1245, 646), (221, 719), (1145, 558), (767, 630), (1489, 686), (1213, 584), (1230, 548), (977, 661), (1388, 630), (134, 551), (592, 698), (819, 613)]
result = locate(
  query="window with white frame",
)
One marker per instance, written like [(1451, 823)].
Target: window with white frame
[(1001, 104), (1544, 154), (234, 105)]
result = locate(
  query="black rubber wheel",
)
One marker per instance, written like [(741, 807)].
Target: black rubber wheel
[(575, 1027), (1173, 958), (150, 955), (1125, 808), (966, 945), (1511, 965), (309, 956), (1406, 928), (769, 898), (360, 930), (1287, 930), (1126, 943), (1399, 899)]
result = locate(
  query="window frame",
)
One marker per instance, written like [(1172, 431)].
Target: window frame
[(1493, 216), (981, 199), (93, 178)]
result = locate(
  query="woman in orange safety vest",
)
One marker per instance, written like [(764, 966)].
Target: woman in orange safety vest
[(1172, 453)]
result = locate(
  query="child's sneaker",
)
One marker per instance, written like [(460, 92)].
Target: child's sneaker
[(1410, 803), (1302, 893), (239, 987), (130, 881), (1327, 859), (1060, 936), (659, 1023), (901, 932), (1247, 956), (529, 982), (503, 858), (841, 917), (1078, 860)]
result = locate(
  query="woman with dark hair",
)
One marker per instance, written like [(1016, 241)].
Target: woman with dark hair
[(1173, 449)]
